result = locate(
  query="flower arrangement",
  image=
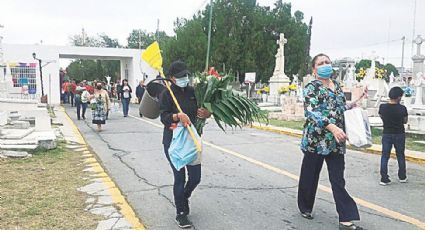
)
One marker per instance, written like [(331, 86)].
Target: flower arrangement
[(361, 74), (263, 90), (408, 91), (283, 89), (214, 93), (293, 87), (379, 73)]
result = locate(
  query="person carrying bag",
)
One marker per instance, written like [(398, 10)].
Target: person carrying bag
[(179, 148)]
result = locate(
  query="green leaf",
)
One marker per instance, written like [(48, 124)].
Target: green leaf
[(208, 106)]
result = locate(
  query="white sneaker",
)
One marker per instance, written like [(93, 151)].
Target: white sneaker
[(403, 181)]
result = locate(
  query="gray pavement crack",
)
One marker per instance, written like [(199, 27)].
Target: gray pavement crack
[(112, 228), (120, 157)]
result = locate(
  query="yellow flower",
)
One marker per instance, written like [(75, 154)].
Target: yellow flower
[(292, 87), (283, 89)]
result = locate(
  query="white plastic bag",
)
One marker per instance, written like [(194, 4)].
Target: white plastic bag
[(357, 128)]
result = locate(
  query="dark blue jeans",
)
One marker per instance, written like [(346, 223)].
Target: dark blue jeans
[(182, 190), (80, 105), (125, 105), (398, 140), (65, 97)]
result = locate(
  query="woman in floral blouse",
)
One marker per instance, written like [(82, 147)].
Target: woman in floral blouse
[(324, 140)]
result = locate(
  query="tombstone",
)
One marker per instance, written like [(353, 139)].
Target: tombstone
[(279, 78), (418, 59), (349, 77)]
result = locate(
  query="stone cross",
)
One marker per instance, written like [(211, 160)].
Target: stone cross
[(280, 55)]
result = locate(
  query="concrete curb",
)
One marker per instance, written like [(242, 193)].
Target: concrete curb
[(118, 199), (412, 156)]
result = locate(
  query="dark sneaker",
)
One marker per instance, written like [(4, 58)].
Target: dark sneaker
[(350, 227), (186, 206), (385, 182), (182, 221), (403, 180), (307, 215)]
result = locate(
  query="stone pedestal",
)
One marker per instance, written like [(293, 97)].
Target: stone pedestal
[(418, 64), (291, 109), (276, 82)]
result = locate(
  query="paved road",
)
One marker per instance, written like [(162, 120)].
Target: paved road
[(249, 180)]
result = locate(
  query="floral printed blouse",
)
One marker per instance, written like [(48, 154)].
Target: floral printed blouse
[(322, 107)]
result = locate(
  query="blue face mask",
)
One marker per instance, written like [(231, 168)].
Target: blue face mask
[(325, 71), (182, 82)]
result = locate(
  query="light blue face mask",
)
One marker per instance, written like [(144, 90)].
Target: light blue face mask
[(325, 71), (182, 82)]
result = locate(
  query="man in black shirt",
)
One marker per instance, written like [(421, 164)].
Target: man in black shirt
[(394, 116)]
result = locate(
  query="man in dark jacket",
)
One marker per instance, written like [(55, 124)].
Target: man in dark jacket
[(140, 90)]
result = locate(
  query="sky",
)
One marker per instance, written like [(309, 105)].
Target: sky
[(341, 28)]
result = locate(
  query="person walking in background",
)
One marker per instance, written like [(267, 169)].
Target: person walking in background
[(140, 90), (65, 92), (107, 89), (118, 88), (89, 87), (81, 99), (394, 116), (99, 103), (125, 95), (72, 90), (77, 97), (324, 140)]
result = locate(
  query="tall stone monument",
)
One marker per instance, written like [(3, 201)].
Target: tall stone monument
[(279, 78), (418, 58)]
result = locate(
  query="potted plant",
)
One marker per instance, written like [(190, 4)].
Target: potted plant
[(408, 93)]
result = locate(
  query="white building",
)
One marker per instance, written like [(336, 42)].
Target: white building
[(132, 68)]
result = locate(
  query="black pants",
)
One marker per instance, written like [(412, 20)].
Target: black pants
[(80, 105), (309, 180), (181, 189)]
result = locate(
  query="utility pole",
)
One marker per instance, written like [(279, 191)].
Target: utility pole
[(157, 30), (209, 39), (414, 25), (140, 39), (83, 36), (402, 53)]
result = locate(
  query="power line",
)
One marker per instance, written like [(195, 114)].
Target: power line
[(200, 7)]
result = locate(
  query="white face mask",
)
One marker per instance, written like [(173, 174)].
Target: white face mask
[(182, 82)]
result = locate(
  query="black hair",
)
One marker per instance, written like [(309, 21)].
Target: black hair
[(313, 62), (395, 92)]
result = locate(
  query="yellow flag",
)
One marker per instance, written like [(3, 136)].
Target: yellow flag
[(152, 56)]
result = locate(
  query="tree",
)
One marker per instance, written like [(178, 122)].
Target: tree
[(243, 38), (389, 68), (94, 69)]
